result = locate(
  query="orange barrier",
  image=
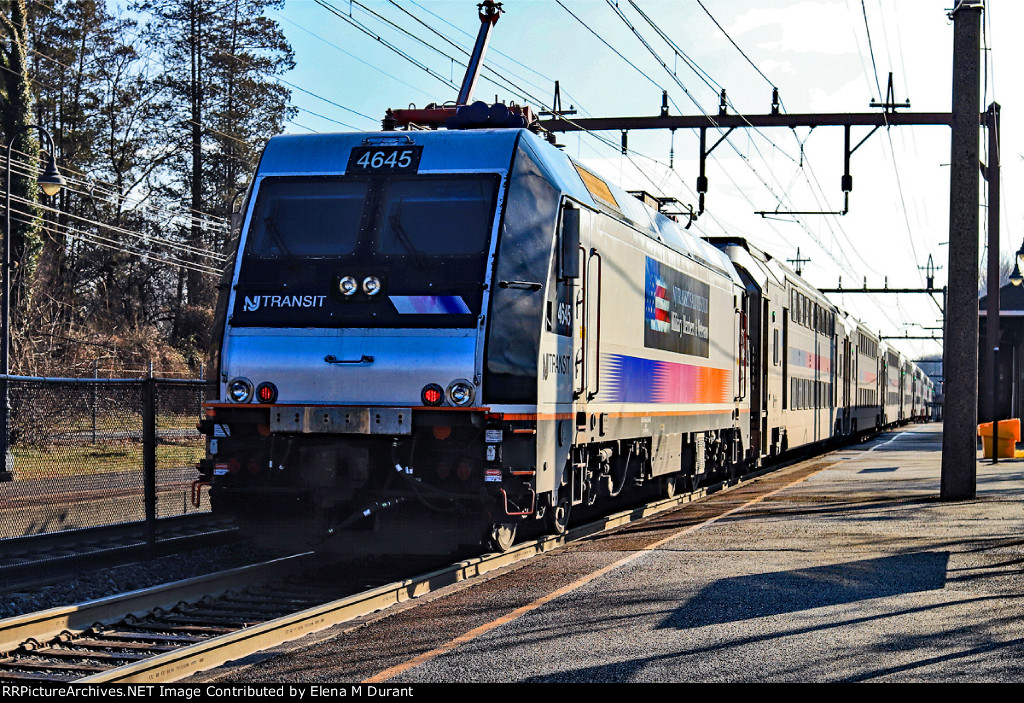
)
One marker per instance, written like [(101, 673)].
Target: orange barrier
[(1009, 435)]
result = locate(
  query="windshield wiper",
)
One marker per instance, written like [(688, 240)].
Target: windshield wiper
[(395, 220), (275, 234)]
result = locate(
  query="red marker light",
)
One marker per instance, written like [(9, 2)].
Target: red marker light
[(266, 392), (432, 394)]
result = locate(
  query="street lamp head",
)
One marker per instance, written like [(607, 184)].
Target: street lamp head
[(1015, 277), (51, 181)]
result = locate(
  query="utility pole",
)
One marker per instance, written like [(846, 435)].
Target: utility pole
[(960, 350)]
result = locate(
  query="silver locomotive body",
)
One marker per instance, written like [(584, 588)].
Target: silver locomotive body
[(469, 326)]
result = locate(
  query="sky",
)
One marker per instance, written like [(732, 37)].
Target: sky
[(830, 56)]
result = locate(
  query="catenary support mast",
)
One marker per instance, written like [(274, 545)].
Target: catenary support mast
[(960, 350)]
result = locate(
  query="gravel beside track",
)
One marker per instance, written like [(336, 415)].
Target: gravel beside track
[(129, 577)]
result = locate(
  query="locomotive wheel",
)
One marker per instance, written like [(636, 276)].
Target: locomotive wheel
[(688, 482), (501, 536), (669, 485), (557, 517)]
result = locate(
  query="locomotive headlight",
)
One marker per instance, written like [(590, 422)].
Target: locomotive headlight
[(371, 285), (240, 390), (460, 392), (348, 286)]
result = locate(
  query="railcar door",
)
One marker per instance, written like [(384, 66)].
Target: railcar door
[(847, 362), (759, 406), (586, 348)]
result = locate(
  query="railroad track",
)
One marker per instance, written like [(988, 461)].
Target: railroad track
[(38, 560), (167, 633)]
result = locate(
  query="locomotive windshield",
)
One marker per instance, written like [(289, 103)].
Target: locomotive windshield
[(295, 219), (431, 218), (423, 238)]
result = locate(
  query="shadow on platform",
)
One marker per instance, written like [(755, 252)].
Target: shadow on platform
[(761, 595)]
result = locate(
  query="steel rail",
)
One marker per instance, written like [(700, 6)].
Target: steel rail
[(172, 666), (175, 665), (47, 624)]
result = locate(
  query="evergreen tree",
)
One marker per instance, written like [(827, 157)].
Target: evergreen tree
[(157, 127), (220, 59), (97, 100)]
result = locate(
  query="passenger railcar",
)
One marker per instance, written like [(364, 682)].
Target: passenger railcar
[(890, 385), (866, 414)]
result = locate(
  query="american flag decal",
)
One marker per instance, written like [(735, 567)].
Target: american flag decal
[(657, 310), (662, 315)]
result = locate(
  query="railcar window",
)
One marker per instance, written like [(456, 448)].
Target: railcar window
[(306, 219), (436, 217)]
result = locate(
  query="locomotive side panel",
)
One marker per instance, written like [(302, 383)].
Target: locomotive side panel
[(669, 344)]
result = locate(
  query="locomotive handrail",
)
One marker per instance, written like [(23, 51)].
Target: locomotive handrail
[(364, 359), (576, 393), (597, 344), (525, 285)]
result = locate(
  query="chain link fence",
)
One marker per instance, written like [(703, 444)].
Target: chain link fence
[(92, 452)]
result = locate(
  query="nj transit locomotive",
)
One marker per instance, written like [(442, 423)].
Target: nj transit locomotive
[(467, 326)]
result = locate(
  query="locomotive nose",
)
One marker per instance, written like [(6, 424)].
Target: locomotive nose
[(363, 367)]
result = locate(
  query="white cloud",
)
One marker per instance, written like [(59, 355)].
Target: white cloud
[(806, 27)]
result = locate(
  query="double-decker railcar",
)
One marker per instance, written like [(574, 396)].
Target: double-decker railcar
[(866, 413), (890, 385), (812, 361), (918, 394), (795, 361)]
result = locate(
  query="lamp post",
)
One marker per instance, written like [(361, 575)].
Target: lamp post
[(51, 182), (1018, 266), (1015, 277)]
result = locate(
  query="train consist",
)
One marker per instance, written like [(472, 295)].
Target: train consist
[(426, 329), (468, 323)]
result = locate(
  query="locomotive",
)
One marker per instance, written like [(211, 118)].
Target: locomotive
[(464, 330)]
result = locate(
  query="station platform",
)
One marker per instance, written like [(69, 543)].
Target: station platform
[(850, 568)]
